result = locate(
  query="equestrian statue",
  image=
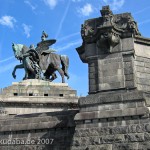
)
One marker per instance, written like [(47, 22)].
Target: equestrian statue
[(41, 60)]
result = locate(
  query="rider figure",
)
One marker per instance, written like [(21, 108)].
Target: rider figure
[(34, 60)]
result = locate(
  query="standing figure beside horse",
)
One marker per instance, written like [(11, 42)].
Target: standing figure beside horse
[(41, 60)]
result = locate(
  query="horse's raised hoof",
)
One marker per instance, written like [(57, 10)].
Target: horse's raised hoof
[(14, 76)]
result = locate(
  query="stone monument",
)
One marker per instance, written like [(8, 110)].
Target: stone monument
[(41, 60), (36, 113), (36, 96), (115, 114)]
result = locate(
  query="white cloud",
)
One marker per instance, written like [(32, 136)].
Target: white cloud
[(115, 4), (51, 3), (86, 10), (62, 19), (8, 66), (27, 29), (144, 22), (69, 45), (68, 36), (141, 11), (33, 7), (7, 21), (6, 59)]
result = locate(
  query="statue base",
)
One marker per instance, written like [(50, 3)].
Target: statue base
[(36, 96), (113, 121)]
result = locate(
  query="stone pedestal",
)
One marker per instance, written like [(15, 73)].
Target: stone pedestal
[(36, 96)]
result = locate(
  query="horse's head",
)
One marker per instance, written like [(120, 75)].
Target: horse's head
[(17, 48)]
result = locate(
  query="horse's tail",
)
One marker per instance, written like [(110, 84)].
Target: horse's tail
[(65, 64)]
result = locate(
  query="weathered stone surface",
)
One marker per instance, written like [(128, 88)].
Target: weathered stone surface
[(144, 145), (111, 98), (127, 44), (125, 146), (114, 113), (35, 96)]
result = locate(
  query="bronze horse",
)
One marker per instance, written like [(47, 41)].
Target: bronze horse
[(48, 63)]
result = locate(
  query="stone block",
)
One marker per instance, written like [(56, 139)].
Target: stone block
[(92, 64), (119, 138), (92, 82), (143, 81), (92, 75), (135, 137), (142, 69), (92, 69), (111, 122), (107, 139), (94, 141), (127, 64), (111, 72), (119, 121), (147, 65), (99, 147), (111, 60), (129, 84), (147, 127), (142, 75), (111, 79), (112, 97), (137, 95), (127, 44), (114, 65), (147, 136), (142, 59), (128, 71), (88, 121), (90, 50), (127, 58), (142, 50), (139, 63), (109, 86), (131, 105), (93, 88), (95, 120), (129, 77), (112, 113), (144, 146), (125, 146), (143, 87)]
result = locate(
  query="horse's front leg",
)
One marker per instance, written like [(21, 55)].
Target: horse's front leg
[(15, 68)]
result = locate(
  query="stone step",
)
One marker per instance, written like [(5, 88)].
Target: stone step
[(33, 126), (27, 120), (115, 97), (141, 111), (37, 120)]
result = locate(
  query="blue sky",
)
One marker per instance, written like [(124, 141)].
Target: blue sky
[(22, 21)]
